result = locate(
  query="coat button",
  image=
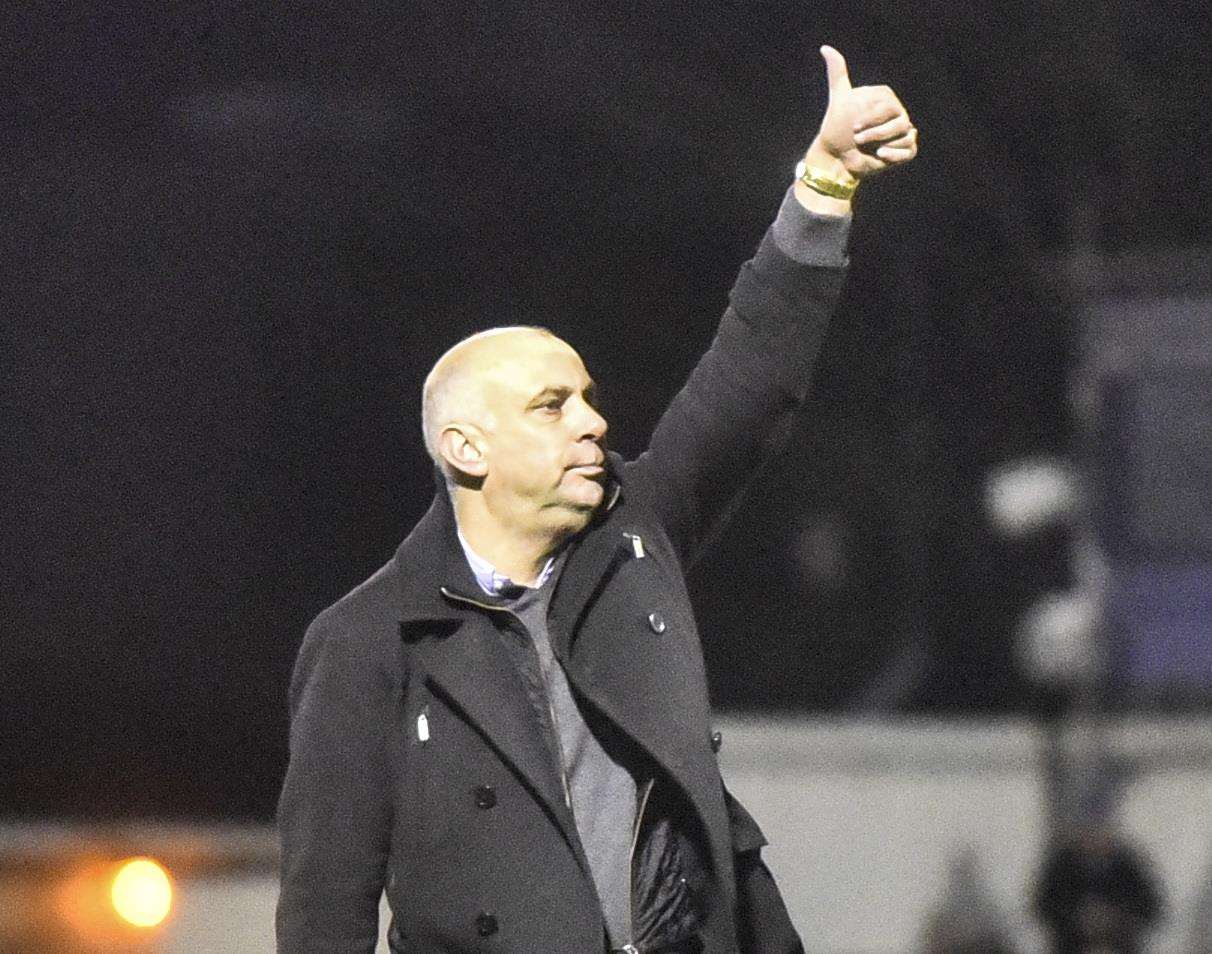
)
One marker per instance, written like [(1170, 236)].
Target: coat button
[(657, 622), (717, 740), (486, 925), (486, 796)]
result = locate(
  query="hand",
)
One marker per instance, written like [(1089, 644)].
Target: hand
[(865, 130)]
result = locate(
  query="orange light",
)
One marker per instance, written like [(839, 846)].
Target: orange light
[(141, 892), (112, 906)]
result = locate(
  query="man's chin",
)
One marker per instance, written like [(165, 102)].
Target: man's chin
[(581, 502), (586, 503)]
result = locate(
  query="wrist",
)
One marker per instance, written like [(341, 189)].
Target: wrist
[(819, 204), (826, 163), (822, 183)]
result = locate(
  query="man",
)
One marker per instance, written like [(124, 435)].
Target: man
[(506, 728)]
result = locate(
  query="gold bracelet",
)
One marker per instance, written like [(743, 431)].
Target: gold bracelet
[(817, 181)]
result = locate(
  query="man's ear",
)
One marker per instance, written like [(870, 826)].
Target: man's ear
[(462, 447)]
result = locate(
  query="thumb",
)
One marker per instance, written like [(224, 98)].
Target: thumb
[(836, 72)]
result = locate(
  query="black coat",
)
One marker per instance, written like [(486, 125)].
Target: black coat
[(416, 762)]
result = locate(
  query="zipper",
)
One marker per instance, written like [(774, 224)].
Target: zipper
[(460, 598), (635, 840), (555, 723)]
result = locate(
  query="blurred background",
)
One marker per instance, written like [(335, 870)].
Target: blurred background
[(960, 635)]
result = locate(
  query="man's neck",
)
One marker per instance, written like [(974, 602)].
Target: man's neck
[(513, 552)]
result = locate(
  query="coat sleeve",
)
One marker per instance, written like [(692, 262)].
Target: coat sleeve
[(334, 813), (741, 397)]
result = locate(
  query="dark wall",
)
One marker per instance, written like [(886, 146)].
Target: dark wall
[(236, 236)]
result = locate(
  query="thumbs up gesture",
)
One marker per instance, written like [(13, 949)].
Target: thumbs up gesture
[(866, 129)]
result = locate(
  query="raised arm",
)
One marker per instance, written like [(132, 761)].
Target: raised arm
[(740, 399)]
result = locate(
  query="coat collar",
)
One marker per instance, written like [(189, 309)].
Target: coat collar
[(435, 580), (429, 559)]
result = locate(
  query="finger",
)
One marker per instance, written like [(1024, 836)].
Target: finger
[(893, 154), (835, 71), (892, 129), (909, 139), (876, 112)]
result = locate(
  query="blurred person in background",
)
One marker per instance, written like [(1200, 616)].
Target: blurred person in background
[(968, 921), (1096, 893)]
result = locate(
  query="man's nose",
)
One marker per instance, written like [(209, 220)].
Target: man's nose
[(594, 425)]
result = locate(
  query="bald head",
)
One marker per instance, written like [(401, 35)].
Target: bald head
[(454, 390), (510, 419)]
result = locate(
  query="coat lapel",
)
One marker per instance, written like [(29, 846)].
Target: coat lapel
[(636, 677), (456, 646), (472, 669)]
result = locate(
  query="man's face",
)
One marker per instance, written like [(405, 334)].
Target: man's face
[(544, 437)]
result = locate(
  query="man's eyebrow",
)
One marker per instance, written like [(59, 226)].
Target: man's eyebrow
[(550, 392)]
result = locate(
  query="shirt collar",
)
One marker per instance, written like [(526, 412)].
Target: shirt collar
[(494, 583)]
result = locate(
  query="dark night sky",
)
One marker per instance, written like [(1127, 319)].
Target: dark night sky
[(236, 235)]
